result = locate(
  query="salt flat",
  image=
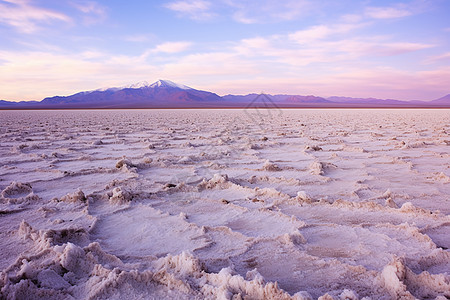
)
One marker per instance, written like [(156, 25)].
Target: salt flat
[(225, 204)]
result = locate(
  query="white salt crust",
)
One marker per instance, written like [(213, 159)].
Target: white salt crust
[(225, 204)]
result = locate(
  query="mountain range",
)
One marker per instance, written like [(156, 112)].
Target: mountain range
[(167, 94)]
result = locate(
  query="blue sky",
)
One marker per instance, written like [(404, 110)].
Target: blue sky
[(383, 49)]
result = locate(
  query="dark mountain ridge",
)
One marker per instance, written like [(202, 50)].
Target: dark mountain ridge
[(167, 94)]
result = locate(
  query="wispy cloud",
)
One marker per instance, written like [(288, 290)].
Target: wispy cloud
[(289, 53), (376, 47), (27, 18), (398, 10), (139, 38), (210, 65), (246, 12), (270, 11), (171, 47), (388, 12), (93, 12), (167, 50), (194, 9), (91, 54), (441, 57), (267, 11), (320, 32)]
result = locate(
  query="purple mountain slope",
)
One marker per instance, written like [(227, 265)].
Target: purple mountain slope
[(162, 93), (365, 100), (443, 100), (167, 94), (306, 99), (275, 100), (14, 104), (6, 103)]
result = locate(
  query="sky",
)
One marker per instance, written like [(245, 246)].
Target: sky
[(382, 49)]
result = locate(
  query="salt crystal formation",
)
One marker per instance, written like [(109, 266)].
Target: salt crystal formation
[(225, 204)]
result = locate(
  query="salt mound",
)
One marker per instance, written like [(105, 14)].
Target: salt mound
[(320, 168), (18, 192), (86, 273), (303, 295), (348, 295), (97, 142), (186, 160), (77, 196), (177, 271), (295, 238), (120, 196), (124, 163), (270, 166), (309, 148), (255, 146), (441, 176), (148, 160), (218, 180), (23, 148), (408, 207), (354, 149), (50, 279), (39, 238), (316, 168), (302, 196), (401, 282), (387, 194), (390, 203)]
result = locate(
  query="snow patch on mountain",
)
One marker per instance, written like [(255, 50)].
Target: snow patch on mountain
[(168, 83), (144, 84)]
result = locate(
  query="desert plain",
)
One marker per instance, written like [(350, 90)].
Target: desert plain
[(225, 204)]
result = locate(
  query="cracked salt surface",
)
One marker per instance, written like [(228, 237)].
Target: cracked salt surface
[(223, 204)]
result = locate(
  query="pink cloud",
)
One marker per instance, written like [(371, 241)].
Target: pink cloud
[(387, 12), (194, 9), (93, 12), (25, 17)]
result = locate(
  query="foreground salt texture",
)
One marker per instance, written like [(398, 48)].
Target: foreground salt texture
[(225, 204)]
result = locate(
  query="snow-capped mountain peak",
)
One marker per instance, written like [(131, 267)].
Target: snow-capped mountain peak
[(144, 84), (168, 83), (139, 85)]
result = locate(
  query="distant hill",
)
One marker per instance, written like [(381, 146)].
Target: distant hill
[(306, 99), (443, 100), (365, 100), (168, 94)]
